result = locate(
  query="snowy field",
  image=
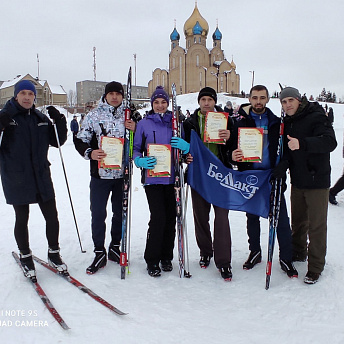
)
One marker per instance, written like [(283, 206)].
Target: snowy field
[(203, 309)]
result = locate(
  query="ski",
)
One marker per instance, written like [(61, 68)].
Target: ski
[(126, 201), (179, 189), (80, 286), (43, 297), (275, 203)]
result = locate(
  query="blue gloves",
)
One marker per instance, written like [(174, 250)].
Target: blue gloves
[(177, 142), (147, 162)]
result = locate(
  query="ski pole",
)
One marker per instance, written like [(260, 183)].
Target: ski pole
[(187, 273), (2, 134), (69, 194)]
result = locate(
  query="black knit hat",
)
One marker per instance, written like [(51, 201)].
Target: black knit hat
[(207, 91), (114, 86)]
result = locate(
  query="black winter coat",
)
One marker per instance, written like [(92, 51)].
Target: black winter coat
[(191, 123), (246, 120), (310, 165), (24, 165)]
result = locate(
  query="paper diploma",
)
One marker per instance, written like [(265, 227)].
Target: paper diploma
[(214, 121), (162, 153), (113, 147), (250, 141)]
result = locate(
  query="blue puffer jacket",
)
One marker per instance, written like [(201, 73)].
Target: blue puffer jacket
[(153, 128), (25, 171)]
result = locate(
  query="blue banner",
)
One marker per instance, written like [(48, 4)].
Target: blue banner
[(247, 191)]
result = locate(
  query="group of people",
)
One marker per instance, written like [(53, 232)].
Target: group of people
[(308, 140)]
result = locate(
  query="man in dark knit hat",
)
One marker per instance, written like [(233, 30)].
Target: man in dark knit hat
[(220, 248), (107, 119), (26, 136), (308, 140)]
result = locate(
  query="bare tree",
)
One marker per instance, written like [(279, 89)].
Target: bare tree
[(71, 98)]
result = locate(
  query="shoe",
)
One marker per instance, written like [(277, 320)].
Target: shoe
[(289, 268), (311, 277), (28, 265), (154, 270), (114, 253), (332, 198), (98, 262), (166, 265), (226, 274), (54, 260), (253, 259), (299, 257), (204, 261)]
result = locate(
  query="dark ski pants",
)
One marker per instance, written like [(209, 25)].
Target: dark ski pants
[(338, 187), (283, 232), (309, 221), (21, 231), (100, 190), (222, 244), (162, 224)]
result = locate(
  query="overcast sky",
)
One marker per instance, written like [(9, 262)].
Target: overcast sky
[(295, 42)]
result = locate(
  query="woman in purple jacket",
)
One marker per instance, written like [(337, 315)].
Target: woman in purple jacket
[(156, 128)]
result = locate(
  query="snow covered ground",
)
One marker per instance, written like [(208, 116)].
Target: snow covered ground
[(203, 309)]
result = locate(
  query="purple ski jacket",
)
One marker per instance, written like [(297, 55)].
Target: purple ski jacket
[(153, 128)]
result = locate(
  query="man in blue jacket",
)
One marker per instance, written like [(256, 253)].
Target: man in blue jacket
[(26, 135), (257, 115)]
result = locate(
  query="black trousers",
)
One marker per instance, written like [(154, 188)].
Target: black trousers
[(338, 187), (162, 224), (21, 231)]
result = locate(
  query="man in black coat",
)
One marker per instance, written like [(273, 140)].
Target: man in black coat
[(309, 139), (257, 115), (26, 135), (221, 247)]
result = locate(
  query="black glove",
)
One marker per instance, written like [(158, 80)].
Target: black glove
[(54, 114), (279, 172), (5, 120)]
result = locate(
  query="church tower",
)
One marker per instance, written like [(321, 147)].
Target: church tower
[(195, 66)]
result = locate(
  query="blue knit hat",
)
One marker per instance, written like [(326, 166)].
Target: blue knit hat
[(24, 85), (160, 93)]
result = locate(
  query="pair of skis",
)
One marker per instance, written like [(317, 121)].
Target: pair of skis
[(275, 205), (69, 279), (179, 189), (126, 200)]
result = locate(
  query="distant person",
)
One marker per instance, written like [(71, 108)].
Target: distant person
[(82, 117), (74, 126), (25, 173), (181, 115), (187, 114), (108, 119), (309, 139), (229, 108), (336, 188)]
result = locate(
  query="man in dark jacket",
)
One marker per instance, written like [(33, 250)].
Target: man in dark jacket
[(309, 139), (221, 247), (257, 115), (26, 135), (74, 126)]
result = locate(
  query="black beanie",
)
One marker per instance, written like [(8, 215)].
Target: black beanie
[(114, 86), (207, 91)]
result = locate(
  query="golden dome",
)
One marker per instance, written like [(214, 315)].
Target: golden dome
[(192, 21)]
